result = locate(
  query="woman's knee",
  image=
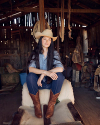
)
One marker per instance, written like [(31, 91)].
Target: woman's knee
[(60, 75), (31, 76)]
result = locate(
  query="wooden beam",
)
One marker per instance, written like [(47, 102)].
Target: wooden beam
[(10, 13), (84, 10), (29, 28), (3, 1), (18, 5), (9, 18), (24, 2), (83, 6), (55, 10), (97, 1), (41, 15), (12, 27)]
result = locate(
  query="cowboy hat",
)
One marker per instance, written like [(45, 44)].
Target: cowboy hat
[(46, 32)]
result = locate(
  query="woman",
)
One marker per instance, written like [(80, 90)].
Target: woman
[(44, 72)]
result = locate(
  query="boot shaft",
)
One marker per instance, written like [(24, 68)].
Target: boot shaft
[(35, 98), (53, 97)]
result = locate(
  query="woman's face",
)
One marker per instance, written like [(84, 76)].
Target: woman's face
[(46, 41)]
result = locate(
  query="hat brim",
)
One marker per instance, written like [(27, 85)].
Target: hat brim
[(39, 34)]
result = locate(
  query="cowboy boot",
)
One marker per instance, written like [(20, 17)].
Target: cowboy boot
[(37, 105), (51, 104)]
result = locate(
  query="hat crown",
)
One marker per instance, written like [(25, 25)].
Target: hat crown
[(47, 32)]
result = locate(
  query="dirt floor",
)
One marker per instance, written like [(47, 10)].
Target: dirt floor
[(9, 103)]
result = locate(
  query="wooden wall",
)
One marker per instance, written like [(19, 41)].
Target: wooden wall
[(94, 35), (15, 46), (94, 41), (17, 43)]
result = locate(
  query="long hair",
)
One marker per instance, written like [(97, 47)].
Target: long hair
[(39, 50)]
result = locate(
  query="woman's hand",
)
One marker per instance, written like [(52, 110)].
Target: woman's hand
[(52, 75), (40, 79)]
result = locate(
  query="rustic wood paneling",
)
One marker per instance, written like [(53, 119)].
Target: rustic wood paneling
[(17, 47), (94, 35)]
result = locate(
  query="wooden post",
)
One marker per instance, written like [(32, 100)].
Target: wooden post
[(22, 48), (58, 29), (41, 15)]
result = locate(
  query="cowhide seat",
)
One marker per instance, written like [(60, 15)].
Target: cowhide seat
[(62, 112)]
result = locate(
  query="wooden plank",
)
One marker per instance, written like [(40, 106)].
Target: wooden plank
[(55, 10), (87, 105), (24, 27), (85, 10), (21, 27), (17, 4), (21, 3), (41, 15), (84, 6), (69, 123), (14, 11), (46, 121), (17, 117), (74, 112), (8, 14), (3, 1), (97, 1), (11, 17)]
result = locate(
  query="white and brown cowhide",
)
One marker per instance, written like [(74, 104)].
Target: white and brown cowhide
[(65, 93), (61, 112)]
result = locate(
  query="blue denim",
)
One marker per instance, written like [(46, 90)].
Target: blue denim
[(55, 85)]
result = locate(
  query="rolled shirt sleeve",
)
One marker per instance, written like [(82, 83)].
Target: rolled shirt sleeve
[(56, 60), (32, 63)]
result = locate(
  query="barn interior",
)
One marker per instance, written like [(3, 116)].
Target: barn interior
[(77, 25)]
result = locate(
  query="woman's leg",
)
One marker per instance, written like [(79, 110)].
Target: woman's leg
[(31, 81), (34, 93), (54, 93), (57, 84)]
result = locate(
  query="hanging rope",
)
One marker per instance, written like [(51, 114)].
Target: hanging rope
[(69, 13), (62, 21)]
